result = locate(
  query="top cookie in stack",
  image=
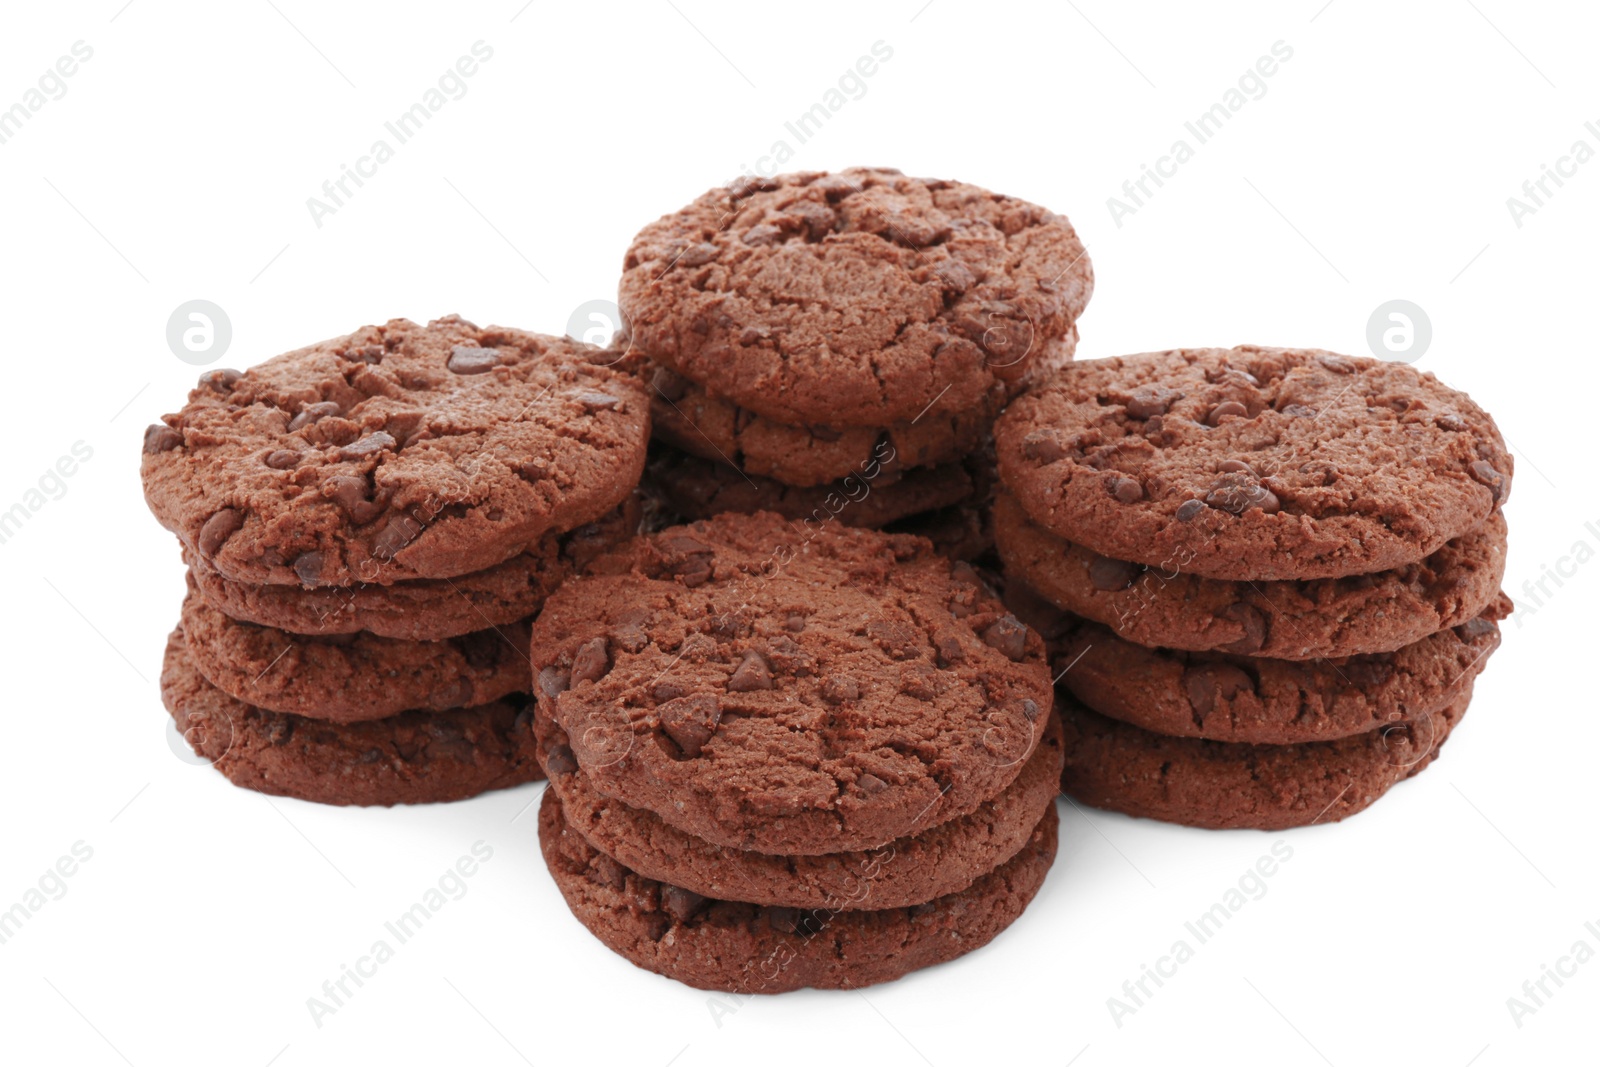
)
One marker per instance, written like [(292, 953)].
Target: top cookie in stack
[(1274, 550), (369, 522), (812, 328)]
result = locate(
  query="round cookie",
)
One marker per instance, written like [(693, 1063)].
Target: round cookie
[(394, 453), (750, 948), (853, 299), (911, 870), (696, 488), (1272, 702), (353, 677), (416, 757), (688, 417), (423, 609), (1309, 619), (1253, 463), (790, 693), (1217, 785)]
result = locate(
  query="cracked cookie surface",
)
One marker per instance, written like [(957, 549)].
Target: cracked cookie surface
[(765, 687)]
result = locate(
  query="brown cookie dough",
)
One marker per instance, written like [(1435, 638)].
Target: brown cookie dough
[(750, 948), (852, 299), (908, 871), (416, 757), (394, 453), (792, 693), (689, 418), (353, 677), (1253, 463), (423, 609), (1221, 786), (1309, 619), (696, 488), (1225, 697)]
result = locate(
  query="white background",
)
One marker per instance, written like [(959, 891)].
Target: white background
[(1376, 166)]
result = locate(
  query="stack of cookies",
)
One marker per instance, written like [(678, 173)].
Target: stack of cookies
[(837, 346), (778, 763), (1270, 576), (369, 524)]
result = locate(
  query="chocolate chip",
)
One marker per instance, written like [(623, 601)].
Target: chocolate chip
[(350, 493), (795, 623), (1127, 490), (1043, 446), (279, 728), (682, 904), (751, 675), (668, 691), (1475, 628), (282, 459), (839, 688), (630, 638), (1226, 409), (1030, 710), (1336, 363), (366, 446), (590, 663), (1237, 494), (1485, 474), (597, 401), (1254, 625), (783, 920), (871, 784), (453, 694), (531, 470), (308, 567), (1009, 636), (553, 681), (366, 354), (312, 413), (825, 433), (686, 557), (558, 759), (603, 870), (1110, 575), (466, 359), (400, 531), (698, 255), (1204, 683), (1235, 466), (1189, 510), (217, 529), (950, 649), (160, 438), (669, 384), (690, 721), (1299, 411), (1450, 422), (222, 380), (1150, 401)]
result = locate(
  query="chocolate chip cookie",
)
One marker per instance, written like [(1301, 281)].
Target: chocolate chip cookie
[(795, 694), (863, 298), (1309, 619), (353, 677), (901, 873), (751, 948), (1219, 785), (1226, 697), (1253, 463), (416, 757), (397, 452)]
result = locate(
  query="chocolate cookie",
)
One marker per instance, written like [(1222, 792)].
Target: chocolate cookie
[(416, 757), (423, 609), (690, 419), (790, 694), (750, 948), (698, 489), (1309, 619), (353, 677), (1253, 463), (1269, 701), (396, 452), (862, 298), (1221, 786), (905, 872)]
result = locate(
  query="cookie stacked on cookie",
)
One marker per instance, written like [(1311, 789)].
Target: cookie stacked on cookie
[(838, 345), (369, 524), (1270, 576), (779, 762)]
